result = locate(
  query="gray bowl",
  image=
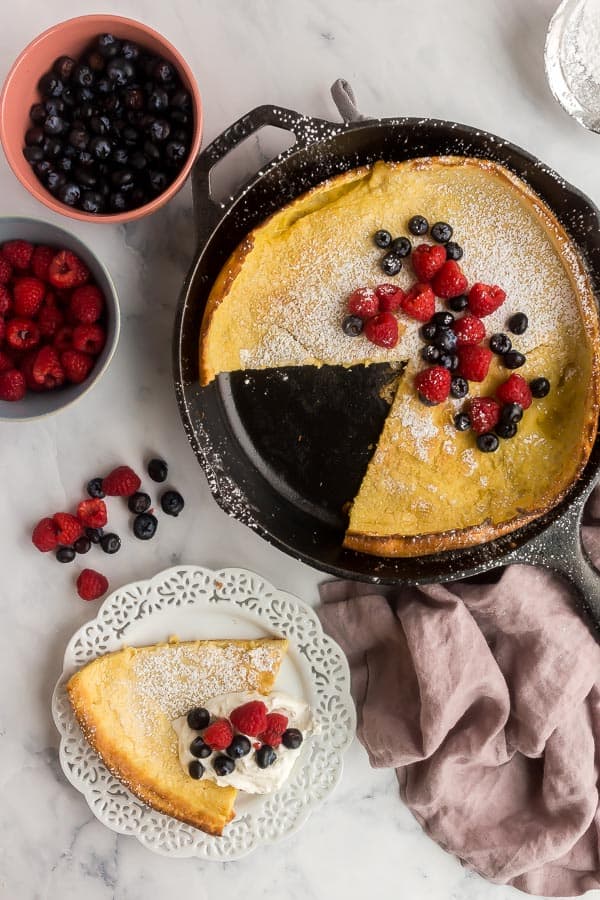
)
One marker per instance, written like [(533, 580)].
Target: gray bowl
[(33, 405)]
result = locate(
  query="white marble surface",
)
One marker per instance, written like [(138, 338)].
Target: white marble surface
[(479, 63)]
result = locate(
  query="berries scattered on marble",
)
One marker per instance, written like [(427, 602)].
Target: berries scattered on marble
[(82, 544), (110, 543), (172, 503), (94, 488), (121, 482), (144, 526), (92, 513), (158, 470), (139, 502), (91, 585), (65, 554)]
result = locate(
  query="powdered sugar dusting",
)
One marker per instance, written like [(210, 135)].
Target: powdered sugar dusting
[(421, 427)]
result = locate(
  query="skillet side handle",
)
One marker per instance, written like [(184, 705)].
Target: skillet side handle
[(560, 548), (207, 212)]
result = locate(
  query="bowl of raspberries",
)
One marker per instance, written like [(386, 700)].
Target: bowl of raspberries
[(101, 118), (59, 319)]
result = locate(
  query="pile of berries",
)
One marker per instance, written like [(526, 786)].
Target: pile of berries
[(454, 346), (248, 727), (112, 129), (51, 319), (68, 535)]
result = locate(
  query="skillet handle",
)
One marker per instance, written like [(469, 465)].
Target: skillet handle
[(560, 548), (305, 129)]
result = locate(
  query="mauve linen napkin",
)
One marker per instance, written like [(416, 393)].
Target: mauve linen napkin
[(486, 700)]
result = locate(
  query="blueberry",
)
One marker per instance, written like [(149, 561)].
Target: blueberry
[(100, 124), (458, 304), (352, 326), (448, 360), (96, 61), (55, 106), (199, 749), (110, 543), (82, 545), (181, 100), (117, 201), (291, 738), (430, 353), (265, 756), (38, 113), (83, 76), (240, 746), (120, 70), (63, 67), (511, 413), (462, 422), (441, 232), (445, 319), (130, 50), (506, 430), (401, 245), (223, 765), (120, 155), (65, 554), (92, 202), (69, 193), (139, 502), (159, 101), (42, 167), (50, 85), (151, 151), (198, 718), (513, 359), (104, 86), (175, 152), (196, 769), (172, 503), (159, 130), (134, 98), (85, 178), (518, 323), (428, 331), (418, 225), (54, 125), (145, 525), (108, 45), (163, 71), (100, 147), (487, 443), (33, 154), (158, 469), (65, 164), (158, 181), (539, 387), (94, 534), (52, 147), (459, 387), (445, 339), (500, 343), (68, 96), (454, 250), (79, 138), (34, 137)]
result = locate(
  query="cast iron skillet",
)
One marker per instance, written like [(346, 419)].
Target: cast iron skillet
[(222, 421)]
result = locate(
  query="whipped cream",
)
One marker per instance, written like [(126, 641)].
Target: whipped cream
[(247, 776)]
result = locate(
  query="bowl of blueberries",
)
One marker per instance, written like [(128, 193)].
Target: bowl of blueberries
[(101, 118)]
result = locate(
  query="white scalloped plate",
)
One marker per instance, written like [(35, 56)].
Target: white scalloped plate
[(193, 602)]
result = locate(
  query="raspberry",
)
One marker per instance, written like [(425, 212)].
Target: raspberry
[(427, 259), (433, 385), (18, 253), (12, 385), (77, 365), (88, 339), (40, 261), (45, 535), (250, 718), (63, 339), (485, 413), (26, 367), (2, 329), (5, 270), (5, 300), (515, 390), (473, 362), (468, 330), (28, 294), (68, 528), (218, 735), (363, 303), (121, 482), (272, 738), (276, 724), (390, 297), (449, 281), (92, 513), (91, 585), (22, 334), (86, 304), (6, 361), (47, 370), (485, 298), (67, 271), (419, 302), (49, 320), (382, 330)]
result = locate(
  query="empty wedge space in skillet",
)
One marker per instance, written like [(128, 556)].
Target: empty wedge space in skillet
[(125, 702), (280, 299)]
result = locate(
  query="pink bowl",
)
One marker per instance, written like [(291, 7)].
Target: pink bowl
[(20, 91)]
